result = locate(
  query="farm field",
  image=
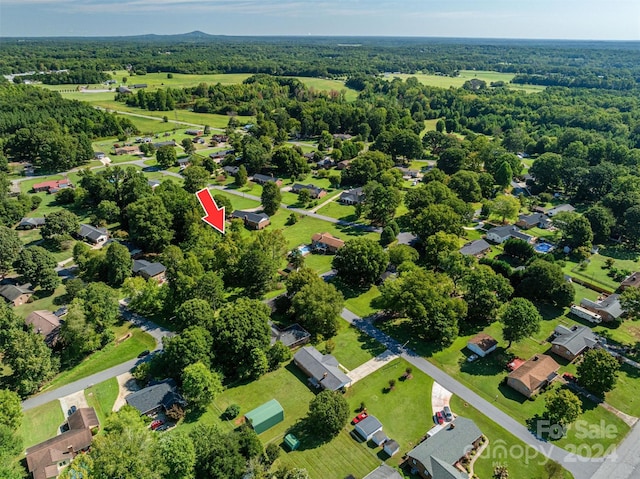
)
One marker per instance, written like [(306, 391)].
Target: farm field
[(442, 81)]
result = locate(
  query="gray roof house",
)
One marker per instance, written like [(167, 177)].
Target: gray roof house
[(322, 369), (560, 209), (476, 248), (291, 336), (368, 427), (314, 191), (156, 397), (437, 456), (149, 270), (92, 234), (15, 294), (571, 343), (609, 308), (536, 219), (383, 472), (352, 196), (231, 170), (30, 223), (503, 233), (262, 179)]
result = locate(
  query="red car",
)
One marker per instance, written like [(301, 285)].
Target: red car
[(359, 418), (569, 377), (156, 424), (440, 417)]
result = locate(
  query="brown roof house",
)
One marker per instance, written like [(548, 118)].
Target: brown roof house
[(571, 343), (47, 459), (482, 344), (534, 374), (45, 323), (326, 243), (16, 295), (633, 281)]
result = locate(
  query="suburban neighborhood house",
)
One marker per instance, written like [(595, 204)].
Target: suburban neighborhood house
[(564, 208), (503, 233), (93, 235), (632, 281), (149, 270), (292, 336), (439, 456), (326, 243), (482, 344), (352, 196), (536, 219), (51, 186), (30, 223), (534, 374), (262, 179), (254, 221), (383, 472), (571, 343), (47, 459), (477, 248), (608, 308), (323, 370), (46, 324), (314, 191), (16, 295), (156, 398)]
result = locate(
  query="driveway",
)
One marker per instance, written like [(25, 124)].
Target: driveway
[(440, 397), (76, 399), (126, 385)]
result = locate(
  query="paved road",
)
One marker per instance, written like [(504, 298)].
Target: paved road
[(580, 467), (149, 327)]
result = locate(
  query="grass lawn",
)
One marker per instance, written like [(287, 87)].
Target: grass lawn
[(339, 211), (359, 301), (596, 271), (238, 202), (108, 357), (523, 461), (622, 332), (51, 302), (320, 263), (102, 397), (328, 85), (41, 423), (487, 76), (353, 347), (625, 395)]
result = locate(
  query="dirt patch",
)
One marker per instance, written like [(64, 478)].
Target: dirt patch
[(126, 385)]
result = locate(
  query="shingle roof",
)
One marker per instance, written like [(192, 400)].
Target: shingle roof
[(141, 266), (318, 365), (91, 232), (264, 178), (533, 219), (354, 195), (475, 247), (559, 209), (42, 456), (611, 304), (327, 239), (483, 341), (11, 292), (83, 417), (368, 426), (383, 472), (250, 216), (535, 371), (313, 189), (576, 339), (32, 222), (447, 446), (45, 323), (153, 397)]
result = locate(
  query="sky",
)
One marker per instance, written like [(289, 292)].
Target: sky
[(537, 19)]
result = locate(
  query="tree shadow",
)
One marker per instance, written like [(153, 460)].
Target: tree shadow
[(308, 437)]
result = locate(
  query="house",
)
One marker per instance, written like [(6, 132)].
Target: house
[(262, 179), (219, 138), (533, 374), (503, 233), (159, 144), (155, 398), (183, 162), (608, 308), (153, 184), (368, 427), (47, 459), (254, 221), (632, 281), (30, 223), (292, 336), (391, 447), (342, 165), (482, 344), (324, 163), (266, 416), (123, 89), (127, 150), (536, 219), (46, 324), (193, 132), (438, 456), (91, 234), (384, 472), (98, 155), (149, 270), (314, 191), (326, 243), (477, 248), (408, 172), (16, 295), (571, 343), (322, 369), (220, 155), (342, 136), (551, 212), (231, 170), (52, 186), (352, 196)]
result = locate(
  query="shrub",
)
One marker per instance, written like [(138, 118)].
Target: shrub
[(272, 452), (329, 346), (231, 412)]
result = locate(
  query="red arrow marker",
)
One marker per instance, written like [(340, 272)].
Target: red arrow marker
[(214, 215)]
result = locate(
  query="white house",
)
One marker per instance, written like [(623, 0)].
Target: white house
[(503, 233), (482, 344)]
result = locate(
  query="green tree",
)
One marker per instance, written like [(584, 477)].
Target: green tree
[(100, 305), (485, 291), (452, 160), (194, 312), (360, 261), (118, 264), (30, 360), (436, 218), (10, 409), (176, 450), (402, 253), (602, 221), (545, 282), (195, 178), (10, 246), (328, 414), (547, 170), (199, 385), (278, 354), (505, 206), (217, 454), (188, 146), (439, 245), (504, 175), (37, 265), (632, 224), (257, 270), (598, 371), (304, 197), (518, 249), (317, 307), (271, 198), (107, 211), (562, 407), (60, 223), (150, 223), (380, 203), (166, 156), (191, 346), (77, 336), (630, 302), (241, 176), (465, 184), (520, 319)]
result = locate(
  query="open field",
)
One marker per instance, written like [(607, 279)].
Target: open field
[(41, 423), (102, 397), (442, 81)]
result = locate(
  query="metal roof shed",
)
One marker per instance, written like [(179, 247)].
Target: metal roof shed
[(292, 442), (266, 416)]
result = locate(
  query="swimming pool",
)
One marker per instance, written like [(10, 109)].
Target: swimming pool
[(305, 249), (543, 247)]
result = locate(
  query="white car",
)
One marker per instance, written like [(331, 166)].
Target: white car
[(472, 358)]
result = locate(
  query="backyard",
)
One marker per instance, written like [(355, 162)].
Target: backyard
[(41, 423)]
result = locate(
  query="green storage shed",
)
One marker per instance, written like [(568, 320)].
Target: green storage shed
[(292, 442), (266, 416)]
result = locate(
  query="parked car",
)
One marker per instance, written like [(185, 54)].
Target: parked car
[(71, 410), (359, 418), (447, 413), (569, 377), (144, 353), (439, 417), (156, 424), (472, 358)]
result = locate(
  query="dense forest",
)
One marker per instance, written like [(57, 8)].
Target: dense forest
[(606, 64)]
